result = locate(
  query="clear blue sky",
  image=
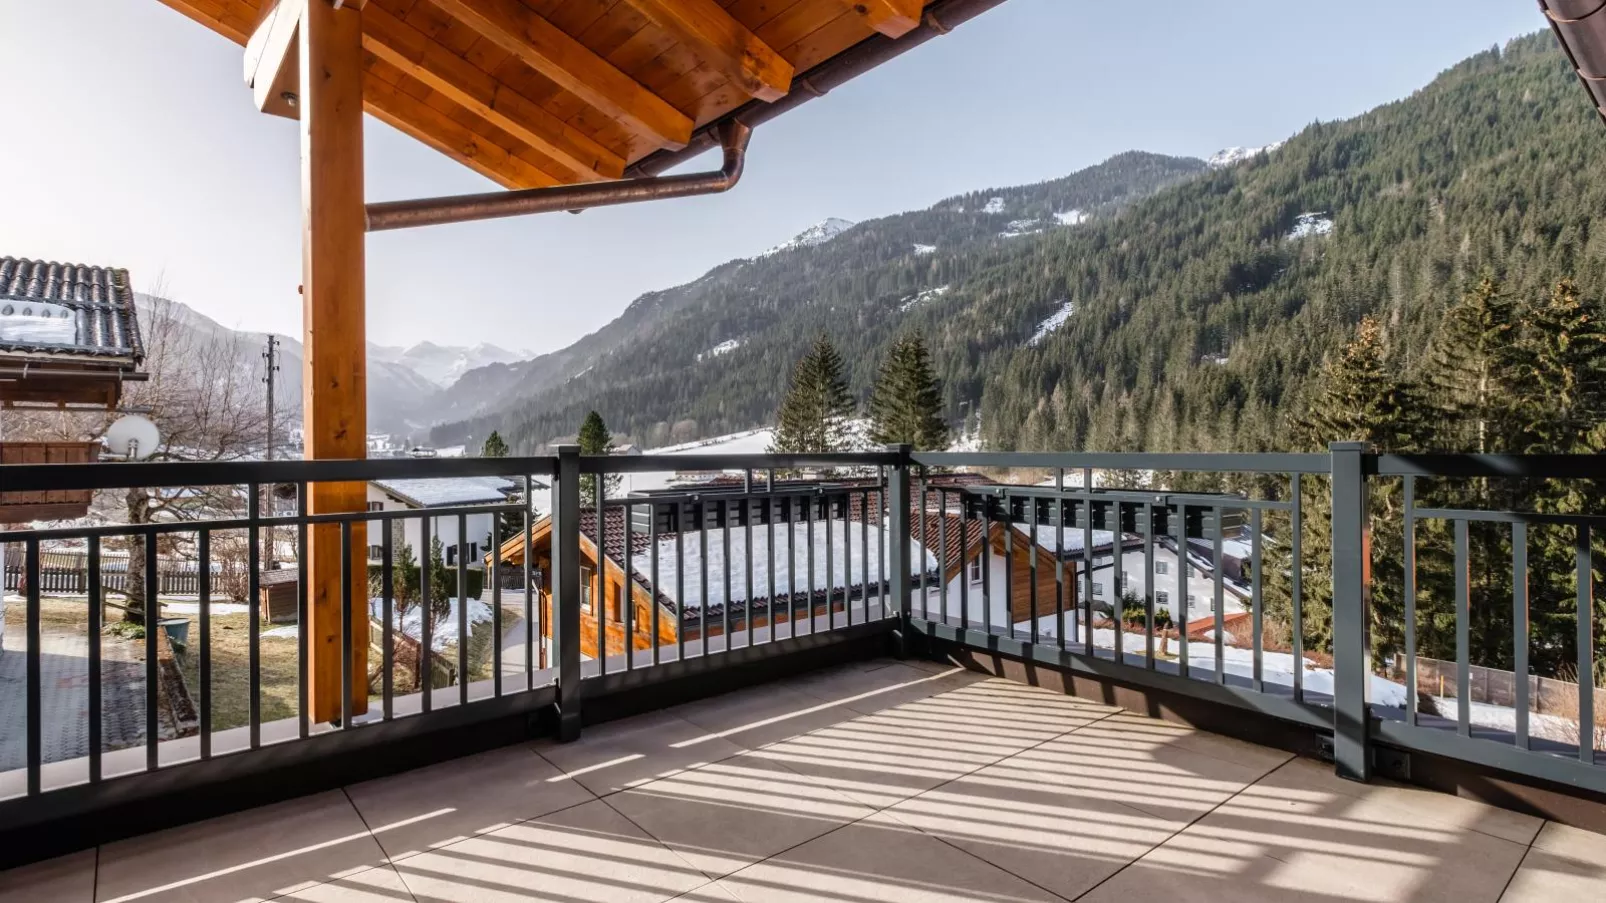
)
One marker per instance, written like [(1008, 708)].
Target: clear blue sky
[(130, 140)]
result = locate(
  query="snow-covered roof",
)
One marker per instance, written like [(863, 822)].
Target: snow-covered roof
[(849, 568), (65, 308), (439, 493)]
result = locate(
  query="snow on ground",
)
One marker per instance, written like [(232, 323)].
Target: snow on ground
[(817, 234), (1071, 218), (922, 297), (994, 205), (725, 347), (1234, 155), (925, 249), (1307, 225), (1018, 227), (847, 565), (1052, 322)]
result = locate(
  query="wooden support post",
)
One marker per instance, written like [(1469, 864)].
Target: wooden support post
[(334, 329)]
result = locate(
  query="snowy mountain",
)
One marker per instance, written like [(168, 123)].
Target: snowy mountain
[(817, 234), (1234, 155), (444, 364)]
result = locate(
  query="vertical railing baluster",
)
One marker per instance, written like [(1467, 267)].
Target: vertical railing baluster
[(425, 664), (1009, 566), (1150, 512), (462, 609), (1117, 585), (346, 626), (986, 553), (1256, 606), (35, 671), (923, 525), (495, 576), (725, 548), (1059, 555), (810, 501), (1296, 583), (96, 615), (1352, 602), (599, 573), (864, 556), (1031, 592), (829, 503), (791, 566), (964, 559), (702, 565), (534, 636), (1409, 516), (1586, 646), (302, 707), (899, 556), (566, 619), (152, 668), (387, 619), (747, 535), (1182, 609), (253, 577), (1218, 599), (203, 543), (770, 511), (627, 595), (1519, 631), (1463, 626), (680, 581), (652, 564), (847, 558), (1087, 558), (883, 524), (942, 554)]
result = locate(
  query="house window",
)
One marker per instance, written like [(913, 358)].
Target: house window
[(1161, 597), (451, 555), (1098, 589), (376, 506), (375, 553), (1162, 567), (585, 589), (1126, 577), (1192, 599), (473, 551), (973, 568)]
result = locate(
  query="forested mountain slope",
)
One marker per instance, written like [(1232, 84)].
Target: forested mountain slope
[(1190, 312), (748, 319)]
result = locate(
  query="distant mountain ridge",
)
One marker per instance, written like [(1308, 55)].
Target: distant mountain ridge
[(445, 364)]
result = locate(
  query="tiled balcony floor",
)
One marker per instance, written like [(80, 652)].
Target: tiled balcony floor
[(876, 781)]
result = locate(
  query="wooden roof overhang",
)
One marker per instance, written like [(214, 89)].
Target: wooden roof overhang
[(540, 93)]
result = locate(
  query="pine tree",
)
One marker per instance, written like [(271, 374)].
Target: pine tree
[(813, 417), (494, 446), (595, 440), (1473, 370), (906, 405), (1565, 370)]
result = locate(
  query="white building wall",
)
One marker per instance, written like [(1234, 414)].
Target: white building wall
[(476, 528)]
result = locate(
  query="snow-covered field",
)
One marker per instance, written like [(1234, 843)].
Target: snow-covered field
[(922, 297), (1052, 322), (443, 635)]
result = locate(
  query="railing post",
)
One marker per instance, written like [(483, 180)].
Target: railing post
[(1352, 602), (899, 553), (565, 613)]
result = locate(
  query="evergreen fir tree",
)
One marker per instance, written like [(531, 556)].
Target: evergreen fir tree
[(494, 446), (813, 417), (906, 405), (1565, 370), (595, 440), (1473, 370)]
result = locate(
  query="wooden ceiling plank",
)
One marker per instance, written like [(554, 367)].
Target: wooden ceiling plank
[(234, 21), (413, 117), (893, 18), (414, 53), (574, 67), (724, 44)]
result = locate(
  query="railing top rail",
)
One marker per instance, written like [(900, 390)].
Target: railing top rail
[(609, 464), (242, 523), (1542, 466), (1283, 463), (108, 475)]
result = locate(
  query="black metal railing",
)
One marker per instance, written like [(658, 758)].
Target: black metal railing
[(1244, 580)]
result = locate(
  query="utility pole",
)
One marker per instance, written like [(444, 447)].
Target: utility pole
[(270, 359)]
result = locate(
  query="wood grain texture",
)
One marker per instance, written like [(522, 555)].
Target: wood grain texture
[(724, 43)]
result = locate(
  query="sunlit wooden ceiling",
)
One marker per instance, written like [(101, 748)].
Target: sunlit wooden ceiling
[(534, 93)]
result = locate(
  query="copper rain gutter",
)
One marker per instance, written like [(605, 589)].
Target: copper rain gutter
[(1580, 26), (733, 137)]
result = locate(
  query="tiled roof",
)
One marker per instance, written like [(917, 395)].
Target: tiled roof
[(99, 300)]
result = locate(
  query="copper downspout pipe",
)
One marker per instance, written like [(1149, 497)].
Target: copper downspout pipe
[(733, 137), (1580, 27)]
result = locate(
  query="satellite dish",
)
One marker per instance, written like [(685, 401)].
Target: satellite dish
[(132, 437)]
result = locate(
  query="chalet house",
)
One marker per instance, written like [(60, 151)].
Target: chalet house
[(424, 494), (668, 576)]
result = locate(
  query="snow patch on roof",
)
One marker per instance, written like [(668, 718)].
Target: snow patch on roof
[(1051, 323), (922, 297), (37, 323), (725, 347), (450, 490)]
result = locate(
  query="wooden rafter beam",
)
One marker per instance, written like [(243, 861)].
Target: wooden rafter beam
[(517, 29), (411, 116), (425, 59), (893, 18), (218, 15), (272, 70), (723, 42)]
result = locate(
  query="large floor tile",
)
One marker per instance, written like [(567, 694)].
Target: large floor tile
[(757, 716), (1006, 709), (68, 879), (610, 757), (442, 804), (377, 885), (1293, 838), (733, 813), (1050, 829), (878, 859), (1564, 864), (869, 691), (589, 852), (257, 854)]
